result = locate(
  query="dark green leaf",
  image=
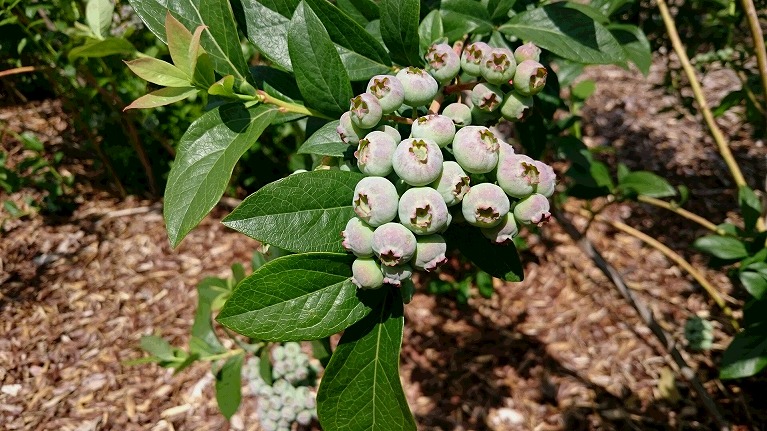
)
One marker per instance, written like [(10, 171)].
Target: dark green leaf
[(268, 30), (723, 247), (321, 350), (589, 11), (362, 11), (298, 297), (326, 142), (95, 48), (746, 355), (301, 213), (501, 261), (566, 32), (750, 207), (635, 43), (485, 284), (733, 98), (755, 282), (228, 385), (204, 338), (399, 29), (204, 162), (584, 89), (464, 16), (265, 367), (320, 75), (497, 40), (361, 387), (647, 183), (499, 9)]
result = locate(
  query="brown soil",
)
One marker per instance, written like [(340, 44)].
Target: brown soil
[(559, 351)]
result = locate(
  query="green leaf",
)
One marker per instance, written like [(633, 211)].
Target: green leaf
[(755, 282), (750, 207), (95, 48), (465, 16), (648, 184), (501, 261), (321, 350), (268, 30), (430, 30), (566, 32), (326, 142), (265, 366), (157, 347), (298, 297), (320, 75), (219, 39), (301, 213), (399, 29), (362, 11), (699, 333), (635, 44), (228, 386), (159, 72), (723, 247), (162, 97), (205, 340), (181, 44), (499, 9), (361, 387), (204, 162), (98, 15), (584, 89), (747, 353)]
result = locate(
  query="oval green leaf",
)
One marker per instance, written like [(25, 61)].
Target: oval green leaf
[(646, 183), (723, 247), (500, 261), (326, 142), (399, 29)]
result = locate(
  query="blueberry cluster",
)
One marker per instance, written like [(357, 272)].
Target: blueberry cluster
[(289, 398), (447, 169)]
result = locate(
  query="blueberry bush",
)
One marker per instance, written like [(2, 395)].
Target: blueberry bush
[(427, 130)]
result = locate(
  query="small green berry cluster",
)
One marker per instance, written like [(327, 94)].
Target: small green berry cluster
[(447, 169), (289, 398)]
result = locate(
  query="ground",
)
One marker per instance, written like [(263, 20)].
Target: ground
[(559, 351)]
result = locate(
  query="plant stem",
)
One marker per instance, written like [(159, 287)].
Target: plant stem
[(225, 355), (758, 36), (398, 119), (16, 70), (676, 258), (645, 314), (716, 132), (290, 107), (450, 89), (673, 207)]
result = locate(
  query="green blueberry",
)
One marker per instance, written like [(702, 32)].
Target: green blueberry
[(375, 200), (486, 97), (304, 417), (422, 210), (442, 62), (498, 66), (395, 275), (530, 78), (485, 205), (484, 118), (517, 174), (452, 184), (438, 128), (532, 210), (430, 252), (459, 113), (471, 58), (349, 133), (365, 111), (420, 88), (418, 161), (547, 179), (476, 149), (504, 232), (366, 274), (527, 51), (388, 90), (516, 107), (374, 154), (391, 131), (394, 244)]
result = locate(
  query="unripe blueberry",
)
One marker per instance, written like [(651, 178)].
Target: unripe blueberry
[(498, 66), (442, 62), (366, 274), (430, 252), (304, 417), (530, 78), (417, 161), (422, 210), (278, 353), (395, 275), (532, 210), (374, 154), (516, 107), (476, 149), (452, 184), (438, 128), (484, 118), (375, 200), (547, 179), (419, 87), (358, 238), (394, 244), (459, 113), (391, 131), (348, 132), (388, 90), (399, 183), (486, 97), (485, 205), (527, 51), (447, 225), (471, 58), (267, 424), (365, 111), (504, 232), (517, 174)]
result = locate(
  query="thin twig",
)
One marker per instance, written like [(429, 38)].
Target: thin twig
[(673, 207), (398, 119), (457, 88), (612, 274), (758, 36), (17, 70)]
